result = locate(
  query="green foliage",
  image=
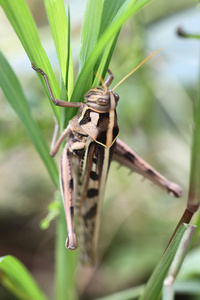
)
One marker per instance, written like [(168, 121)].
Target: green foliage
[(129, 294), (18, 101), (103, 46), (95, 54), (60, 29), (194, 193), (154, 286), (102, 23), (22, 22), (15, 277), (90, 30)]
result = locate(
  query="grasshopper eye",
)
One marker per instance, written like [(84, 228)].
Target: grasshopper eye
[(103, 101), (116, 97)]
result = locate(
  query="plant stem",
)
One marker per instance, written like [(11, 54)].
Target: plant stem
[(65, 263)]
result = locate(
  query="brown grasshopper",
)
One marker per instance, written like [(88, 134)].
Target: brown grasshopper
[(92, 143)]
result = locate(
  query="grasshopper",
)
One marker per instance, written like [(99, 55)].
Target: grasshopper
[(92, 143)]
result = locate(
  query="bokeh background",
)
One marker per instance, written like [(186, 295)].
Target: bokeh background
[(155, 116)]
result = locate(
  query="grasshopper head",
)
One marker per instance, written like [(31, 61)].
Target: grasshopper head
[(101, 99)]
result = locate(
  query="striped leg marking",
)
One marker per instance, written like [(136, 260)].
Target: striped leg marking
[(66, 183), (127, 157)]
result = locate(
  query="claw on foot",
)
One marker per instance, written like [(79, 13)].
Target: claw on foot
[(174, 189), (37, 70), (71, 242)]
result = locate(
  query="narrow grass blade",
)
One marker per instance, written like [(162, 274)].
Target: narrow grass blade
[(154, 285), (129, 294), (70, 72), (60, 32), (103, 66), (66, 262), (197, 223), (193, 201), (168, 291), (194, 189), (16, 278), (126, 10), (123, 14), (22, 21), (90, 30), (13, 91), (110, 9), (60, 28)]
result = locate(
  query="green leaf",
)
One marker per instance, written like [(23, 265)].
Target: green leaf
[(129, 294), (61, 35), (60, 28), (154, 285), (16, 278), (20, 17), (103, 66), (13, 92), (110, 9), (90, 30), (66, 263), (123, 14), (194, 190), (176, 264), (82, 83)]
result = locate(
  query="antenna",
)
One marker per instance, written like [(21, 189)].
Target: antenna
[(101, 80), (147, 58)]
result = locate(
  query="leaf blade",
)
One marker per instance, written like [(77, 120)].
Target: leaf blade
[(58, 20), (154, 285), (23, 23), (90, 29), (16, 278), (123, 14), (13, 91)]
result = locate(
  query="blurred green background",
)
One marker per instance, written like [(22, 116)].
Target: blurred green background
[(155, 118)]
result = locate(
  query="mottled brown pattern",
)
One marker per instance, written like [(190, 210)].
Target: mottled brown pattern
[(91, 145)]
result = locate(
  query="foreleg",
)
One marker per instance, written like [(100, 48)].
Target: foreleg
[(55, 101)]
